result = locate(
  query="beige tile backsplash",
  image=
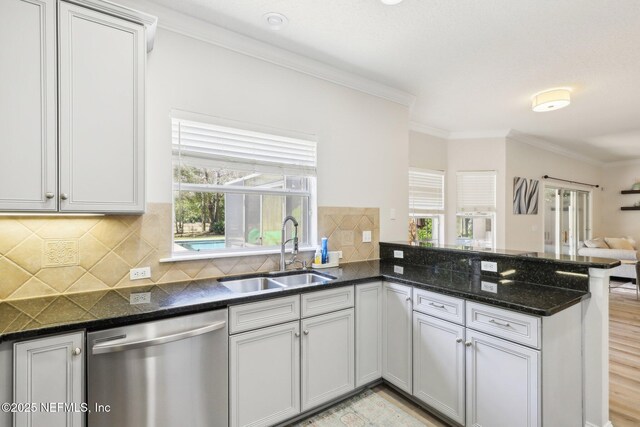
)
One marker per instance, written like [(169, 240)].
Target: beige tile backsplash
[(57, 255)]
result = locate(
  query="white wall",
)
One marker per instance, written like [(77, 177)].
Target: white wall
[(475, 155), (427, 152), (525, 232), (362, 139), (615, 222)]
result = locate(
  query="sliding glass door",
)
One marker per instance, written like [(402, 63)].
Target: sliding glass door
[(567, 220)]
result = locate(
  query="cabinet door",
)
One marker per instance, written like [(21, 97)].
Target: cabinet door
[(438, 365), (49, 370), (396, 335), (368, 333), (327, 357), (101, 91), (502, 383), (28, 105), (264, 375)]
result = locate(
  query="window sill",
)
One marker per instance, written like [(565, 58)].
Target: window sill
[(211, 255)]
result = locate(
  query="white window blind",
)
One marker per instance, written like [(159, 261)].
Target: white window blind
[(476, 191), (205, 144), (426, 191)]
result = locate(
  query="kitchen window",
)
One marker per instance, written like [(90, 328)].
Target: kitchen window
[(233, 186), (426, 205), (476, 209)]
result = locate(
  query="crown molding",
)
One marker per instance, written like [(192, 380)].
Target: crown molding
[(429, 130), (129, 13), (620, 163), (207, 32), (479, 134), (548, 146)]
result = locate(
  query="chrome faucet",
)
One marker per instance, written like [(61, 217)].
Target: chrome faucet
[(283, 263)]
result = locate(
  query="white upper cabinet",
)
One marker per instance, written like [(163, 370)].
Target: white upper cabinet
[(73, 118), (101, 90), (28, 105)]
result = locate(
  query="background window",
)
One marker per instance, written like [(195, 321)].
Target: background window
[(233, 188), (426, 205), (476, 206)]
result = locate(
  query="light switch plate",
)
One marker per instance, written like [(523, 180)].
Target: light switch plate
[(366, 236)]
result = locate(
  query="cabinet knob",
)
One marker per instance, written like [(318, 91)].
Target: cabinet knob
[(76, 351), (49, 195), (306, 332), (459, 340), (64, 196), (297, 334), (468, 343)]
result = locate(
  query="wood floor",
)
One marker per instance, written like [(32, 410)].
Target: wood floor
[(624, 358)]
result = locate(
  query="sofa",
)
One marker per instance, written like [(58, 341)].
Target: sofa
[(622, 248)]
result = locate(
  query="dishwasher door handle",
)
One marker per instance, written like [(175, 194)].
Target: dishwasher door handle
[(112, 348)]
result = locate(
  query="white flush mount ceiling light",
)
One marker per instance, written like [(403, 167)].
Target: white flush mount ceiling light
[(551, 99), (275, 21), (390, 2)]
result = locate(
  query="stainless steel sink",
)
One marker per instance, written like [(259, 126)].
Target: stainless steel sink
[(301, 279), (254, 284)]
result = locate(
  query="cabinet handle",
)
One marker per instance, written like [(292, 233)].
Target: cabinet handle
[(459, 340), (408, 299), (297, 334), (436, 305), (76, 351), (64, 196), (49, 195), (468, 343), (306, 332), (506, 325)]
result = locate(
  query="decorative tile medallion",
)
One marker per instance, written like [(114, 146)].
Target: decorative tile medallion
[(58, 253)]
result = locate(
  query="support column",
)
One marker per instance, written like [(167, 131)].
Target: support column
[(595, 320)]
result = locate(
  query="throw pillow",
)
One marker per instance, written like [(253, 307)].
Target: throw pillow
[(632, 241), (618, 243), (596, 243)]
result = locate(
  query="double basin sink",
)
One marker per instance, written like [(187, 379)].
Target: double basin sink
[(273, 282)]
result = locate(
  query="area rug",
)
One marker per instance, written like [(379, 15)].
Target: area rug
[(364, 409)]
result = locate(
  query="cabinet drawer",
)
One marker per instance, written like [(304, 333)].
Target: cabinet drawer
[(439, 305), (327, 301), (264, 313), (517, 327)]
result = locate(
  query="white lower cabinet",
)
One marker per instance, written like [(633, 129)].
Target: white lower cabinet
[(396, 335), (502, 383), (49, 370), (327, 357), (264, 372), (438, 365), (368, 333)]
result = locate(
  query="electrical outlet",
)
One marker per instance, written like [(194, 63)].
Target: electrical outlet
[(398, 254), (398, 269), (366, 236), (139, 273), (339, 254), (140, 298), (489, 266), (489, 287)]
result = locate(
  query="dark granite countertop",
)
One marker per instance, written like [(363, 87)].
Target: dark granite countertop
[(574, 260), (26, 318)]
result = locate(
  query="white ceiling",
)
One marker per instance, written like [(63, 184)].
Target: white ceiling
[(474, 64)]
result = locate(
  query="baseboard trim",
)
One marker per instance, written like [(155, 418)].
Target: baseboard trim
[(607, 424)]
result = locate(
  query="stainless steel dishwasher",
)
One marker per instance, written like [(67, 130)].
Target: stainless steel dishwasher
[(165, 373)]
